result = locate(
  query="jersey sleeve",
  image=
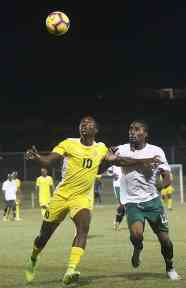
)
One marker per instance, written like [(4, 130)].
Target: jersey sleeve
[(4, 186), (37, 182), (18, 184), (104, 149), (121, 150), (51, 181), (164, 166), (61, 148), (98, 176)]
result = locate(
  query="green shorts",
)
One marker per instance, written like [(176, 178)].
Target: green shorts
[(152, 211)]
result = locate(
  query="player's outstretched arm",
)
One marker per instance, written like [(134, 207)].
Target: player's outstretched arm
[(127, 161), (45, 160)]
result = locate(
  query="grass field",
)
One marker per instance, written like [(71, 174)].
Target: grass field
[(107, 259)]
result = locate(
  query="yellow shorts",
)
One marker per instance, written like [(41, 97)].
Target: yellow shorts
[(59, 207), (167, 191)]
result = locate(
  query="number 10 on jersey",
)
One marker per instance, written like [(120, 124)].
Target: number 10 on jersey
[(87, 163)]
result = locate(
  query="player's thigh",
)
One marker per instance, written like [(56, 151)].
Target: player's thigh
[(9, 204), (12, 204), (157, 217), (117, 192), (82, 220), (80, 203), (57, 209), (135, 217)]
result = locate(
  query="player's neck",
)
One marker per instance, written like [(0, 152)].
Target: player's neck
[(87, 141), (138, 146)]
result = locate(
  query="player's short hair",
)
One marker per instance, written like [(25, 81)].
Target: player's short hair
[(14, 173), (91, 118), (44, 168), (142, 124)]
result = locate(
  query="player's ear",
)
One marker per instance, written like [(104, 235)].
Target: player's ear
[(97, 127)]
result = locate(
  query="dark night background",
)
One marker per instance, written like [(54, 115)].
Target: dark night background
[(110, 64)]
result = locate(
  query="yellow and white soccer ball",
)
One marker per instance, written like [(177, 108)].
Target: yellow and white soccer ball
[(57, 23)]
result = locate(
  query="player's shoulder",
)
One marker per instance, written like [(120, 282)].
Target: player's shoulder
[(69, 140), (101, 147), (125, 147), (154, 148), (100, 144)]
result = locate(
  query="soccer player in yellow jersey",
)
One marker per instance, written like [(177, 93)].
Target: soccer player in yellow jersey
[(18, 194), (73, 195), (166, 194), (44, 187)]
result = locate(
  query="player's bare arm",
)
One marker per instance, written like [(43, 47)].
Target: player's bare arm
[(45, 160), (118, 160), (166, 178)]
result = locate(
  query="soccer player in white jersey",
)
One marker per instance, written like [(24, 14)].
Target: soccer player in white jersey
[(116, 173), (142, 198), (9, 189)]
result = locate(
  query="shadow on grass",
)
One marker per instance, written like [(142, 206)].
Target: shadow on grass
[(128, 276), (95, 236)]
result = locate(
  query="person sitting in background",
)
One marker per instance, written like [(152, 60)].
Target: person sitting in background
[(9, 189), (45, 188)]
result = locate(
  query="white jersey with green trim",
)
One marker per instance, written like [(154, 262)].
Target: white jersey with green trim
[(141, 180)]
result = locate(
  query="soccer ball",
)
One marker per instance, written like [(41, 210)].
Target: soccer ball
[(57, 23)]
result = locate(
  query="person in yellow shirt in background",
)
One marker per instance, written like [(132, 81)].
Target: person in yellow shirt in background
[(166, 194), (18, 194), (45, 188)]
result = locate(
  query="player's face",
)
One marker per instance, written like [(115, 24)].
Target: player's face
[(137, 132), (43, 172), (14, 175), (9, 177), (87, 127)]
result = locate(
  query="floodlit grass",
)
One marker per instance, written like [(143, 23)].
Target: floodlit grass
[(106, 263)]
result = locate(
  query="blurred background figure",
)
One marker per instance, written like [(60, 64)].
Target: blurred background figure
[(9, 190), (166, 194), (98, 187), (116, 173), (44, 188), (18, 194)]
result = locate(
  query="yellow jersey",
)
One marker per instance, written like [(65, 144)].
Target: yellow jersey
[(18, 183), (44, 184), (80, 167)]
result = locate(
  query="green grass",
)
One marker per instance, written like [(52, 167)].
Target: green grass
[(106, 263)]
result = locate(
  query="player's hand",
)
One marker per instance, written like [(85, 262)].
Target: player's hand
[(32, 154), (110, 156), (153, 162), (115, 176), (113, 149)]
